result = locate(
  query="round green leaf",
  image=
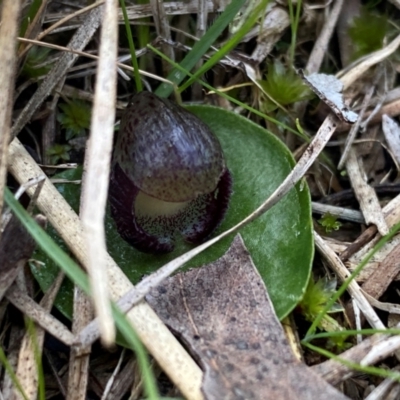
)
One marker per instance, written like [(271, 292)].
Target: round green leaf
[(280, 242)]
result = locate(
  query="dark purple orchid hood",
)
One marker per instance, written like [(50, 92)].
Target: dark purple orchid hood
[(168, 176)]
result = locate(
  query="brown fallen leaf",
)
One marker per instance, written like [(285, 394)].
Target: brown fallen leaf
[(223, 313)]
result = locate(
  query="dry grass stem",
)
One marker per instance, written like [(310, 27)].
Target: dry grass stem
[(39, 315), (354, 289), (95, 182), (92, 56), (8, 33), (78, 42), (321, 44), (366, 196), (163, 30), (348, 78), (275, 23), (32, 347), (382, 277), (59, 23), (78, 371), (392, 134), (354, 129), (339, 212), (382, 390)]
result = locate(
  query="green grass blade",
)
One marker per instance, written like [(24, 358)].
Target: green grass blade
[(231, 44), (232, 99), (31, 329), (138, 81), (30, 15), (294, 22), (357, 367), (201, 47), (11, 373), (133, 340), (350, 332), (346, 283)]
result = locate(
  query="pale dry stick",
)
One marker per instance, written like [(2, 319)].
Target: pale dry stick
[(33, 24), (111, 380), (175, 8), (381, 391), (126, 379), (382, 349), (377, 260), (387, 149), (92, 56), (391, 213), (354, 129), (39, 315), (8, 34), (32, 346), (90, 333), (172, 8), (78, 368), (273, 27), (365, 194), (16, 335), (202, 16), (21, 190), (378, 282), (163, 30), (78, 42), (26, 185), (335, 372), (339, 212), (160, 342), (391, 131), (96, 177), (57, 24), (317, 55), (357, 317), (392, 109), (321, 44), (391, 308), (201, 27), (359, 69), (381, 99), (354, 289)]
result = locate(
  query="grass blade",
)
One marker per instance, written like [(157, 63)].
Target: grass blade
[(201, 47)]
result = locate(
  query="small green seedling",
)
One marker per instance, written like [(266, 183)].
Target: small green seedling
[(36, 63), (75, 118), (330, 223), (283, 87), (367, 33), (315, 298), (59, 152)]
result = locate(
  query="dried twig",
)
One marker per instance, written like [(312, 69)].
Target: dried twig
[(353, 288), (95, 182), (79, 41), (365, 194), (8, 34)]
